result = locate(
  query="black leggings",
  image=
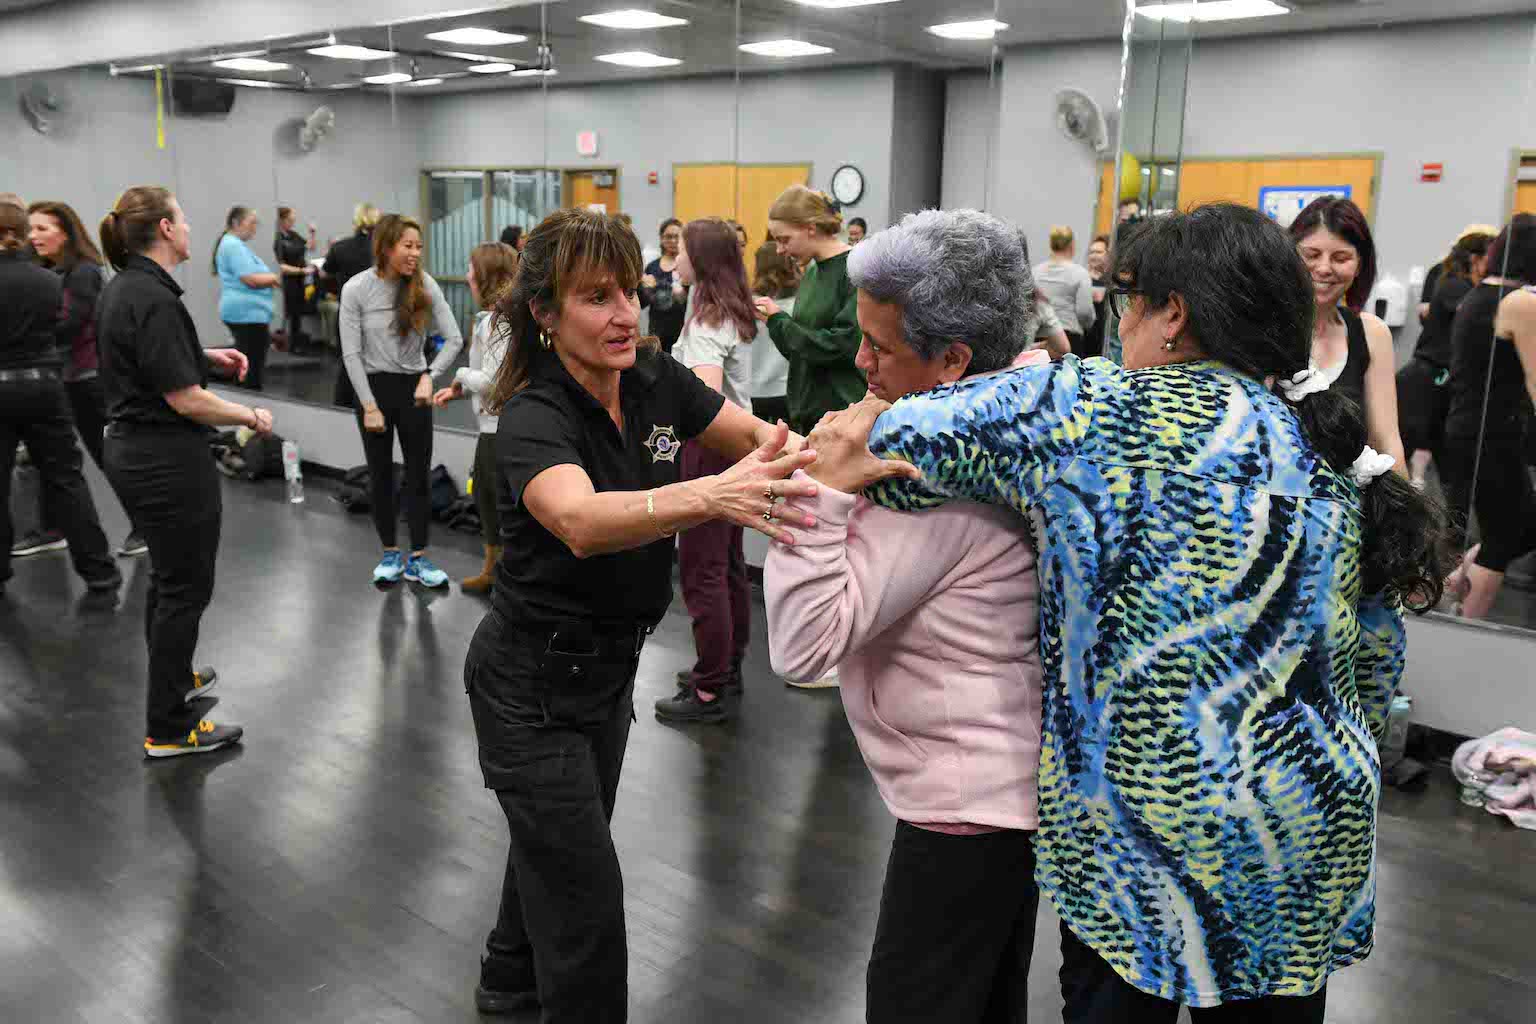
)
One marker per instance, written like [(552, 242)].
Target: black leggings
[(395, 394), (1502, 499), (253, 340)]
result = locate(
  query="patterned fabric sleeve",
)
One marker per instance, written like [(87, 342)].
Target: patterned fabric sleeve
[(1380, 659), (1001, 439)]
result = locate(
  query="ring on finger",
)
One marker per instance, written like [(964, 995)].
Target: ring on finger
[(768, 515), (768, 492)]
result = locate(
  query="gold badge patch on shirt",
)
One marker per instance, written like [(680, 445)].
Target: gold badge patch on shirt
[(663, 444)]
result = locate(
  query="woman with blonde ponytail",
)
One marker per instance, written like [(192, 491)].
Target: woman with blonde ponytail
[(154, 371)]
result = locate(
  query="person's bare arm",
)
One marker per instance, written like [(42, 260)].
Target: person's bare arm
[(1516, 320), (263, 280), (591, 522), (1381, 394), (200, 405), (736, 433)]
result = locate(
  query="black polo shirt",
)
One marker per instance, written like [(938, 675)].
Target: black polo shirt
[(348, 258), (148, 346), (555, 421), (31, 299)]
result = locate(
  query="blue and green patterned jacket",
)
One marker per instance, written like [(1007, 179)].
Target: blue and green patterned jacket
[(1208, 776)]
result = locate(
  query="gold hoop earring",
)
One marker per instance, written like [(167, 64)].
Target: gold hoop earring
[(546, 341)]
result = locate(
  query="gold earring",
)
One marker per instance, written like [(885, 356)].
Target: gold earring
[(546, 340)]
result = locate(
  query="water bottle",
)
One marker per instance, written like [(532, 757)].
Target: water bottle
[(293, 473)]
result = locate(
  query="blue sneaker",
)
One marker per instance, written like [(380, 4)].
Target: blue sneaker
[(421, 570), (389, 568)]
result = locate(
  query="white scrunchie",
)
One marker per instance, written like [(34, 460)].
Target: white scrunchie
[(1308, 382), (1369, 465)]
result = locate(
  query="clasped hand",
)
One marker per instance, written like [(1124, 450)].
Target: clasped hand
[(841, 441), (750, 492)]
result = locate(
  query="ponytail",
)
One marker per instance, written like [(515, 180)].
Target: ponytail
[(235, 216), (133, 223)]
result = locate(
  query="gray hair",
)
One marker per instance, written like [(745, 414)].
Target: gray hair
[(959, 275)]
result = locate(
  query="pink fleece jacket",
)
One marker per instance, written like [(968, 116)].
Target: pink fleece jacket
[(932, 621)]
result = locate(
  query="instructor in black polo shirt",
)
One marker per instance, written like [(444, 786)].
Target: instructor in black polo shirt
[(159, 409), (592, 420)]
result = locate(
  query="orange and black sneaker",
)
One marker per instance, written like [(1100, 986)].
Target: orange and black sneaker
[(204, 738), (203, 680)]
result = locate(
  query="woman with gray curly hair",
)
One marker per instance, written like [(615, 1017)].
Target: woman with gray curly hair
[(938, 654)]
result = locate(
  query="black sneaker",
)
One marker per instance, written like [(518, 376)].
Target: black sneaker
[(732, 685), (133, 547), (505, 986), (203, 680), (687, 706), (204, 738), (39, 542)]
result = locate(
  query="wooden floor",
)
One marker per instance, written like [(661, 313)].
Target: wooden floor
[(344, 865)]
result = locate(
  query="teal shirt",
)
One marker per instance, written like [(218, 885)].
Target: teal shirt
[(238, 302), (1208, 770)]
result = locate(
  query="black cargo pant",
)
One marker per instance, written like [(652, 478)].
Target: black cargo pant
[(34, 409), (169, 486), (552, 718)]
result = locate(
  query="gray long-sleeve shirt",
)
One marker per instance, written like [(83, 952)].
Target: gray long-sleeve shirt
[(1069, 286), (370, 341)]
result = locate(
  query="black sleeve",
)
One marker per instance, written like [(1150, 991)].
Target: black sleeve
[(167, 357), (697, 404), (648, 295), (82, 287), (535, 433), (1431, 281), (1448, 294)]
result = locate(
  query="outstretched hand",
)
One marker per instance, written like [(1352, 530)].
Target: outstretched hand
[(841, 441), (749, 493), (229, 362)]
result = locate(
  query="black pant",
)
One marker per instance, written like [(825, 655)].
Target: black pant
[(1501, 497), (253, 340), (1095, 994), (395, 394), (169, 486), (956, 931), (293, 309), (552, 728), (88, 402), (37, 412), (485, 489)]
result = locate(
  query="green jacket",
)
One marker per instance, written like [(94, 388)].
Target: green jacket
[(820, 341)]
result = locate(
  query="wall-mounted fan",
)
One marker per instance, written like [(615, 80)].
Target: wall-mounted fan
[(316, 127), (1081, 120), (43, 106)]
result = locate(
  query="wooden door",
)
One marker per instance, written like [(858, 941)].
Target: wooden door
[(704, 190), (759, 185), (1239, 181), (1525, 197), (583, 190)]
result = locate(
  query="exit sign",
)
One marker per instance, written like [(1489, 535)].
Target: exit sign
[(586, 143), (1431, 172)]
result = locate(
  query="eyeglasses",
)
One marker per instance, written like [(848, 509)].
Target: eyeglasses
[(1120, 299)]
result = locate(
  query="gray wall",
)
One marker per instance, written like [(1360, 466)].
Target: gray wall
[(212, 163), (970, 119), (827, 118), (84, 31), (917, 141)]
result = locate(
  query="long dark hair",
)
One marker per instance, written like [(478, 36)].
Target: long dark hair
[(1343, 218), (1513, 253), (721, 293), (1251, 306), (413, 306), (80, 248), (133, 223), (1458, 263), (235, 216), (570, 249)]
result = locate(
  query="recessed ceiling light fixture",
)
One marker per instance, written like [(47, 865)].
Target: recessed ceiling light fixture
[(784, 48), (638, 59), (968, 29), (252, 83), (341, 51), (251, 64), (492, 69), (631, 19), (477, 37), (833, 5), (1212, 10), (424, 81), (533, 72), (393, 78)]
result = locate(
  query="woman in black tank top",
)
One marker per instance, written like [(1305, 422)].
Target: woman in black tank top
[(1353, 349), (1493, 352)]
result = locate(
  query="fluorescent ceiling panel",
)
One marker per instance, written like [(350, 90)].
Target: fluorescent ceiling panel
[(341, 51), (534, 72), (477, 37), (492, 69), (478, 58), (251, 83), (1212, 10), (424, 81), (835, 5), (251, 64), (638, 59), (968, 29), (631, 19), (393, 78), (784, 48)]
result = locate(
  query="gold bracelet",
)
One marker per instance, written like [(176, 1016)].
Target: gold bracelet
[(650, 507)]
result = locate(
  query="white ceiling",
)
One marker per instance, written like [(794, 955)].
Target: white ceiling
[(883, 33)]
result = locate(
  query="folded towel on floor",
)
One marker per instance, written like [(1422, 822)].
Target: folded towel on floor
[(1501, 769)]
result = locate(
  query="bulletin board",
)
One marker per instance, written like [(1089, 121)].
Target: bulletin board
[(1245, 179)]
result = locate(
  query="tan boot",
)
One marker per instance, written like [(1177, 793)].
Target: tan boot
[(481, 584)]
